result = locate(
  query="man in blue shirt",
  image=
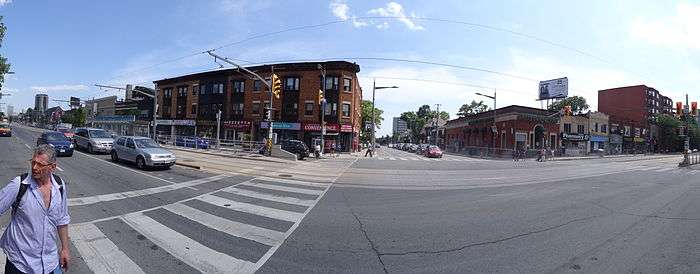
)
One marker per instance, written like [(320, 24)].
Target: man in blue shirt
[(29, 241)]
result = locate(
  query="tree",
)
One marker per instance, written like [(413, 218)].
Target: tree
[(424, 112), (366, 114), (668, 137), (414, 124), (472, 108), (76, 117), (4, 65), (578, 104)]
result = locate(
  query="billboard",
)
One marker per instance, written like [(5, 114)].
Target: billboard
[(74, 102), (555, 88)]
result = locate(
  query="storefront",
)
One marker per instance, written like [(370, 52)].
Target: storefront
[(176, 127), (574, 144), (283, 130), (118, 124), (340, 137), (235, 130), (599, 142), (615, 145)]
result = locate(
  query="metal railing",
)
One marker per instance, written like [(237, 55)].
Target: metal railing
[(693, 158), (234, 146)]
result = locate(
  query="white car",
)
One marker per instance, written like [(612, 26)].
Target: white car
[(142, 151)]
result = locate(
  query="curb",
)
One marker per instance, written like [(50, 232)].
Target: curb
[(228, 156), (188, 165)]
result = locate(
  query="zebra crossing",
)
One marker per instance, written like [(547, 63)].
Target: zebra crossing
[(420, 158), (231, 230)]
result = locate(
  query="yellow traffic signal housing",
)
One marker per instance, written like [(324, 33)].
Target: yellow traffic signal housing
[(320, 96), (276, 86)]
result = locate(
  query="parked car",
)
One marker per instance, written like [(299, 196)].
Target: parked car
[(296, 147), (66, 132), (93, 139), (59, 142), (433, 152), (5, 130), (187, 141), (143, 151), (421, 148)]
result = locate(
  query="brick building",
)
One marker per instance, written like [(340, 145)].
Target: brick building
[(189, 103), (633, 112), (516, 127)]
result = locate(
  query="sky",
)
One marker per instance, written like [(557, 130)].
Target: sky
[(436, 52)]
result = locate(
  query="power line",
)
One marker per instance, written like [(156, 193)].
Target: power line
[(430, 19), (442, 82)]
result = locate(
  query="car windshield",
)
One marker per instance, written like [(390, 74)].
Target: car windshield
[(99, 134), (4, 126), (55, 136), (63, 130), (146, 143)]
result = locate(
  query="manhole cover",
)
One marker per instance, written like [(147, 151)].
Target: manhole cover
[(285, 175)]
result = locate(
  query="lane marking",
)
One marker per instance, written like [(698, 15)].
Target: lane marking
[(187, 250), (129, 169), (251, 208), (99, 253), (27, 146), (250, 232), (142, 192)]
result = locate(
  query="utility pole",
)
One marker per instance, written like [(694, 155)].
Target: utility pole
[(686, 145), (323, 108), (374, 125), (218, 129), (437, 122)]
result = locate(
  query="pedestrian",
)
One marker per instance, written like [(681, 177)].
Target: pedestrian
[(369, 151), (37, 217)]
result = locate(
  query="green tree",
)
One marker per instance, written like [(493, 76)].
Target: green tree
[(414, 123), (578, 104), (4, 64), (668, 135), (76, 117), (366, 114), (472, 108)]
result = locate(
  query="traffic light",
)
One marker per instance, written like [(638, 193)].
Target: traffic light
[(679, 109), (320, 96), (694, 108), (276, 86)]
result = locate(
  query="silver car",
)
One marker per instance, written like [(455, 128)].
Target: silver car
[(142, 151), (93, 139)]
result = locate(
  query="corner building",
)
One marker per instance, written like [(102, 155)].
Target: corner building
[(188, 104)]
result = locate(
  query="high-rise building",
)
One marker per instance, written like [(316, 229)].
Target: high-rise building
[(10, 110), (399, 126), (41, 102)]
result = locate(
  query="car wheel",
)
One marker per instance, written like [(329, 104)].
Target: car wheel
[(140, 163), (90, 149), (70, 154), (115, 158), (301, 156)]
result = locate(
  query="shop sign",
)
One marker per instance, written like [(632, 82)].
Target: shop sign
[(239, 125), (346, 128), (597, 138), (628, 139), (317, 127), (281, 125), (639, 140), (177, 122), (574, 137)]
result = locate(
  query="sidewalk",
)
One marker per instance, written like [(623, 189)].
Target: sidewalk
[(228, 154), (567, 158)]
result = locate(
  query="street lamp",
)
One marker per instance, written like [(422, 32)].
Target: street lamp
[(494, 115), (374, 125)]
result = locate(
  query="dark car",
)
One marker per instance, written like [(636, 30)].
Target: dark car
[(191, 141), (296, 147), (433, 152), (5, 130), (59, 142)]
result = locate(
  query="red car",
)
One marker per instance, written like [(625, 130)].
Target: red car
[(433, 152), (66, 132)]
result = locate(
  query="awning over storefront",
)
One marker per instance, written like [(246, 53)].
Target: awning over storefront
[(281, 125), (597, 138)]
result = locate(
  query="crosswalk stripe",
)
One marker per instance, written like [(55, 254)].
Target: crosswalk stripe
[(187, 250), (250, 232), (692, 172), (664, 169), (294, 182), (283, 188), (403, 159), (99, 253), (252, 209), (269, 197), (425, 159), (392, 158), (435, 159)]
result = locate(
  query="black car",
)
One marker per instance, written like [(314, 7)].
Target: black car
[(59, 142), (297, 147)]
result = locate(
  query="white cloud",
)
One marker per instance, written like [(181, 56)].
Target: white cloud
[(357, 23), (384, 25), (5, 2), (395, 10), (340, 9), (679, 31), (60, 88)]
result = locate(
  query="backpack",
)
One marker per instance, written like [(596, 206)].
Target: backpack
[(23, 189)]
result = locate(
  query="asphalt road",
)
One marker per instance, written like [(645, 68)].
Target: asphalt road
[(619, 215), (395, 213)]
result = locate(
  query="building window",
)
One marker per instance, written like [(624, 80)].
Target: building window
[(567, 128), (596, 127), (182, 92), (346, 109), (347, 84), (580, 129), (637, 132), (180, 109), (218, 88), (291, 84), (167, 92), (238, 86), (604, 128), (309, 108), (331, 83), (628, 131), (256, 108), (195, 88), (202, 89), (257, 85), (237, 109), (267, 105), (194, 109), (334, 109), (166, 110)]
